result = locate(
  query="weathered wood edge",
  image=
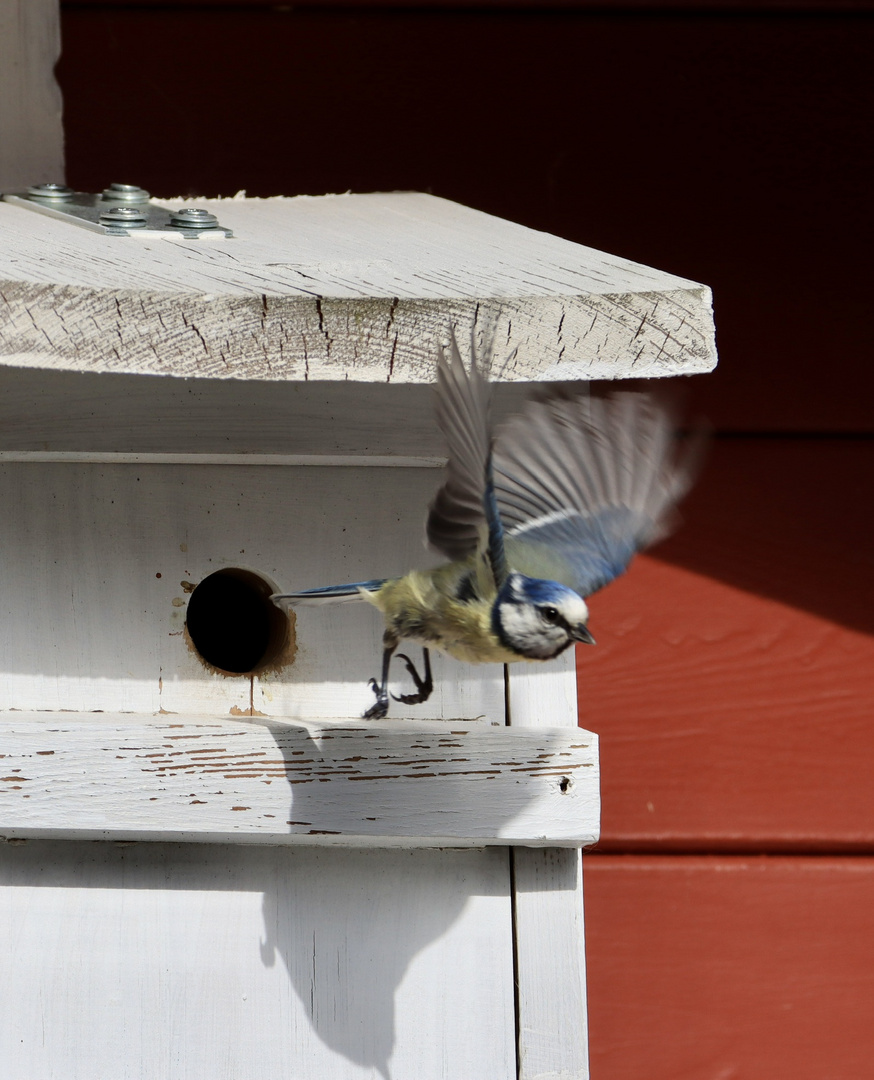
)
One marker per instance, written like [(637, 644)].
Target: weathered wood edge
[(370, 339), (386, 783)]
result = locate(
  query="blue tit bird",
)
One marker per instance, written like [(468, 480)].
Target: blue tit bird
[(534, 518)]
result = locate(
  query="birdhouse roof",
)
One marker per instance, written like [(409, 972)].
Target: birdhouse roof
[(337, 288)]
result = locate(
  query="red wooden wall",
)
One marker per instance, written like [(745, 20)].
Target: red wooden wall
[(730, 906)]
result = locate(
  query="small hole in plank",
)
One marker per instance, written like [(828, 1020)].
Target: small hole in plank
[(233, 625)]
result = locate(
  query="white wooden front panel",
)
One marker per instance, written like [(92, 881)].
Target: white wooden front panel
[(98, 562), (202, 962), (229, 963)]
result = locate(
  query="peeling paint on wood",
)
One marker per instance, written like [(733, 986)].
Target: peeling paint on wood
[(391, 783)]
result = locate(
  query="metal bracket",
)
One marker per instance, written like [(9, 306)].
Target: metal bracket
[(119, 210)]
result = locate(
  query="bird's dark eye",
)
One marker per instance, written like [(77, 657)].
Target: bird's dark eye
[(550, 614)]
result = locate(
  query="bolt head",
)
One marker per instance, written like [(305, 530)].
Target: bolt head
[(193, 217), (126, 193), (124, 215)]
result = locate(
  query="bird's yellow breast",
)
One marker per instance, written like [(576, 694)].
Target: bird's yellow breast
[(423, 607)]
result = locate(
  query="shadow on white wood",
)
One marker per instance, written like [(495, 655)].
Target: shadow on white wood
[(198, 962)]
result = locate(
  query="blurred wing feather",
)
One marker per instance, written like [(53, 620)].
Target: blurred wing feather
[(584, 481), (581, 480), (457, 516)]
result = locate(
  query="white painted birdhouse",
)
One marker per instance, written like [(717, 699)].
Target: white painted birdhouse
[(189, 423)]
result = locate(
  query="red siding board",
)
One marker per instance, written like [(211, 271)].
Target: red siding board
[(743, 717), (718, 968)]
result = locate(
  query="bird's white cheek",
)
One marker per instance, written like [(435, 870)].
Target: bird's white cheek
[(526, 632)]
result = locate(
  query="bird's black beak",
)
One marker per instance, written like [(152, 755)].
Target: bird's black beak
[(582, 633)]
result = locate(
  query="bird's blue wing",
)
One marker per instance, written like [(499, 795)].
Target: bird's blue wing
[(577, 481), (584, 480), (584, 553)]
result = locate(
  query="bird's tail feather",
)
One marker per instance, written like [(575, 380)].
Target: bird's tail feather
[(329, 594)]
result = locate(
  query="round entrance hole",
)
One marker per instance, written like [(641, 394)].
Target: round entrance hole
[(232, 623)]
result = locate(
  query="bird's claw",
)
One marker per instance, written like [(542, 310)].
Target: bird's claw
[(379, 709), (424, 683)]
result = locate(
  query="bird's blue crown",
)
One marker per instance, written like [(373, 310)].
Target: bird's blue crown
[(520, 589)]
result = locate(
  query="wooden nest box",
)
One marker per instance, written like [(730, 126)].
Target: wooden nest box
[(193, 422)]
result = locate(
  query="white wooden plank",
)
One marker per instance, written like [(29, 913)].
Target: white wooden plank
[(548, 909), (98, 567), (31, 136), (200, 962), (340, 287), (550, 950), (388, 783), (545, 695), (57, 411)]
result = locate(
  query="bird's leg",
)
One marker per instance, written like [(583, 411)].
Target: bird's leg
[(424, 683), (379, 709)]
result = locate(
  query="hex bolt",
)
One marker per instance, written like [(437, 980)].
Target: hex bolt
[(190, 217), (128, 216), (125, 193), (50, 191)]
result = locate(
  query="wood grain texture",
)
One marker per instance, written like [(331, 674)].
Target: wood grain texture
[(340, 287), (198, 961), (733, 687), (388, 783), (730, 967), (31, 136)]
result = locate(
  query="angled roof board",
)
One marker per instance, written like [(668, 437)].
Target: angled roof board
[(336, 288)]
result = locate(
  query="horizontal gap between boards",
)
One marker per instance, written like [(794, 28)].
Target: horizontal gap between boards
[(89, 457), (752, 848)]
